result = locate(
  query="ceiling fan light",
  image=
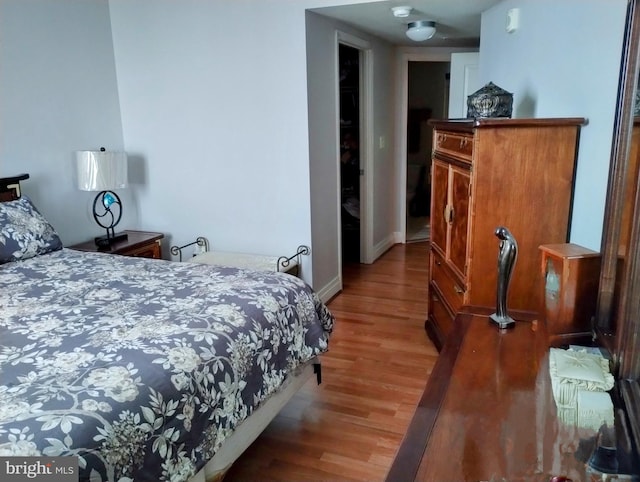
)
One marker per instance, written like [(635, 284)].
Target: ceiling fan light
[(421, 30)]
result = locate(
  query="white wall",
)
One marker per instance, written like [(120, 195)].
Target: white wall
[(384, 169), (58, 94), (215, 109), (323, 150), (323, 144), (563, 61)]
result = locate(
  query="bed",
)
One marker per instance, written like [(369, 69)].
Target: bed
[(143, 369)]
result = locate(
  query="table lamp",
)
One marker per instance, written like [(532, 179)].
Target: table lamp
[(103, 171)]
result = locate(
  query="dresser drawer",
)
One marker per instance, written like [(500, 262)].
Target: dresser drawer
[(452, 290), (439, 314), (455, 144)]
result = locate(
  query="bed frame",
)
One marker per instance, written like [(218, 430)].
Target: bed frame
[(10, 187), (254, 425), (201, 254)]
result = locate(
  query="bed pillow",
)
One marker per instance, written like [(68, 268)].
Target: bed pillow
[(24, 232)]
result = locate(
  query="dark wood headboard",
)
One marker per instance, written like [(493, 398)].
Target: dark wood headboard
[(10, 187)]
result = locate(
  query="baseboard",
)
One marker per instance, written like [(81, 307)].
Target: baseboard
[(398, 237), (384, 246), (334, 286), (329, 290)]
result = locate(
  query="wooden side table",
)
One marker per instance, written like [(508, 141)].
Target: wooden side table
[(571, 274), (144, 244)]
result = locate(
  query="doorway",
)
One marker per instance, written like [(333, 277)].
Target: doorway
[(355, 110), (350, 113), (427, 98)]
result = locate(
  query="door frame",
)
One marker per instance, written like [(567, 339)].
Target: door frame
[(428, 55), (365, 114), (462, 85)]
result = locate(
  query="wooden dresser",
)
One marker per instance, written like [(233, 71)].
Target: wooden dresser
[(488, 413), (486, 173)]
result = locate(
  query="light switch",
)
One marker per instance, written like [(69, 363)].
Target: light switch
[(382, 142)]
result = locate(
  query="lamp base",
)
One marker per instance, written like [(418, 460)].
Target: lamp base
[(106, 242)]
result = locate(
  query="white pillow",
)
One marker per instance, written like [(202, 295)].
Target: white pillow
[(586, 370), (573, 371)]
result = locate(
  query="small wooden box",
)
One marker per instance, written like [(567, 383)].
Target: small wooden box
[(571, 275)]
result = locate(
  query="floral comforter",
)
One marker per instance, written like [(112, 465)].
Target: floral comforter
[(141, 368)]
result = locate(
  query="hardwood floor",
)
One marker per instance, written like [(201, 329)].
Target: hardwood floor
[(350, 427)]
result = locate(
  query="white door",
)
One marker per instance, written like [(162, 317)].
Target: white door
[(463, 82)]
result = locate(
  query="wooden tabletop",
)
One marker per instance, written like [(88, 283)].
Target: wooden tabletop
[(134, 240), (468, 124), (488, 412)]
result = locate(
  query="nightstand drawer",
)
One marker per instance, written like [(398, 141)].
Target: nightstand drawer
[(455, 144), (452, 291), (152, 250)]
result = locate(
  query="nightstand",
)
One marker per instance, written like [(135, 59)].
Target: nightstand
[(139, 243)]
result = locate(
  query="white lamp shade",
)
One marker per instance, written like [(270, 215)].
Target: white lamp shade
[(101, 170), (421, 30)]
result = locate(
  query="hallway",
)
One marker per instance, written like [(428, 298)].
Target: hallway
[(418, 229), (379, 359)]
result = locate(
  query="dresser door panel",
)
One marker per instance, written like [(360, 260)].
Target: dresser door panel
[(459, 219), (439, 202)]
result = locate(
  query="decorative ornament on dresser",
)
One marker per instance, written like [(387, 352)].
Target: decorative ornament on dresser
[(490, 101), (507, 258)]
